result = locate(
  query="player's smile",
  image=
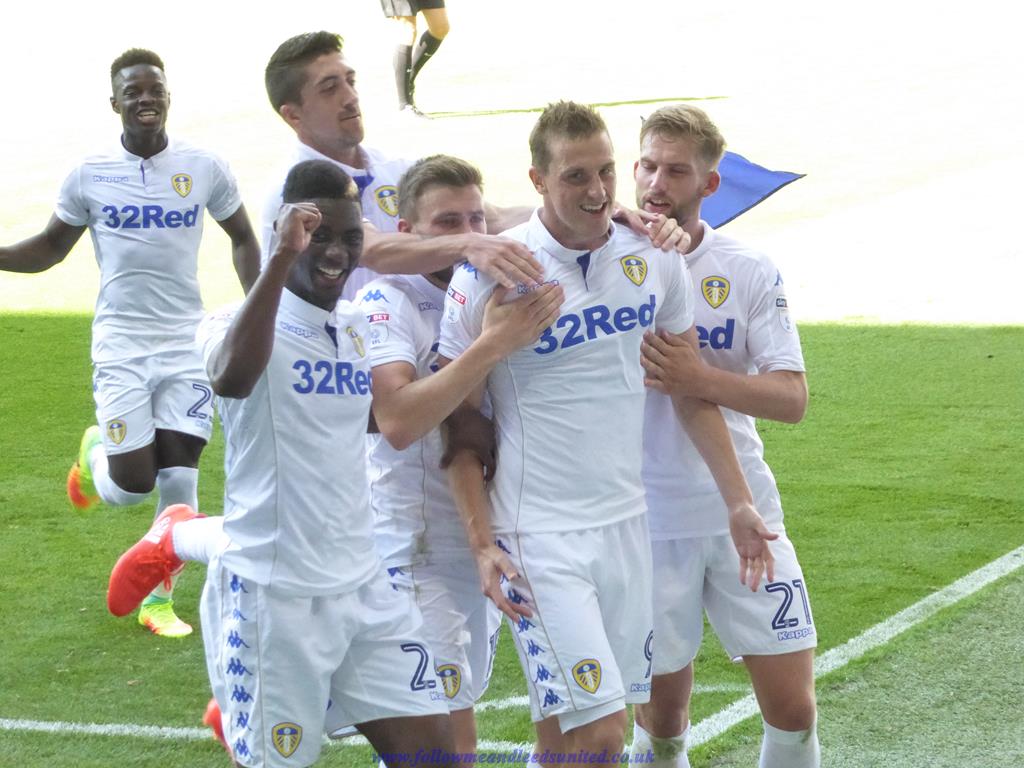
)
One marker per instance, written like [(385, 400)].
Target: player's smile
[(142, 99), (319, 272)]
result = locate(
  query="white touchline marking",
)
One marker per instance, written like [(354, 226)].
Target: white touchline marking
[(714, 726), (700, 733)]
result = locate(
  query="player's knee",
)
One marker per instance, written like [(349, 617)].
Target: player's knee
[(439, 29), (664, 716), (608, 733), (792, 713)]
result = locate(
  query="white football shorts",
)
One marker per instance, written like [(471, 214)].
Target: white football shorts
[(586, 651), (136, 397), (460, 625), (699, 574), (287, 669)]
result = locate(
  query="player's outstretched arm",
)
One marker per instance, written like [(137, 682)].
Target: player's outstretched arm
[(40, 252), (674, 367), (403, 253), (499, 219), (245, 248), (704, 424), (238, 362), (406, 408), (466, 480)]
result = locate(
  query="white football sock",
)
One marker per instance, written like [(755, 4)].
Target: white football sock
[(668, 753), (176, 485), (108, 490), (790, 749), (198, 539)]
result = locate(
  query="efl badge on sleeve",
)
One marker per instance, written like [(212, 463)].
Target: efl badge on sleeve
[(451, 679), (117, 430), (182, 183), (357, 341), (387, 199), (588, 674), (782, 305), (635, 269), (286, 737), (715, 290)]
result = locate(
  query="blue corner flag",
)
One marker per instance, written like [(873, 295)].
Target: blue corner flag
[(744, 185)]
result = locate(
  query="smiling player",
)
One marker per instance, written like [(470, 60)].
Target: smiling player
[(143, 201)]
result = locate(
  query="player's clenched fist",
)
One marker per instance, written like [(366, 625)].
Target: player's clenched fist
[(295, 225)]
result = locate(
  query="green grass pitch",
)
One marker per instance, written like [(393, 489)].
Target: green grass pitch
[(903, 477)]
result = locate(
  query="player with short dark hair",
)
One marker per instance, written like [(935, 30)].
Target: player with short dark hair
[(750, 363), (297, 595), (567, 501), (144, 202)]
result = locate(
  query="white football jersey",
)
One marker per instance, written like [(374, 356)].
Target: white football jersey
[(146, 220), (744, 326), (296, 501), (569, 409), (378, 185), (415, 519)]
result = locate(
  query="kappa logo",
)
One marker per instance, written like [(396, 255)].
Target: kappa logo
[(715, 290), (634, 268), (451, 679), (387, 199), (182, 183), (357, 341), (588, 674), (286, 738), (117, 430)]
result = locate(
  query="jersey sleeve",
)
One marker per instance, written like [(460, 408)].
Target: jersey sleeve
[(676, 312), (772, 338), (72, 208), (389, 314), (212, 330), (271, 207), (225, 199), (463, 315)]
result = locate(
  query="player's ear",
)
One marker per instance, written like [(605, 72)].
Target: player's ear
[(537, 178), (404, 226), (114, 105), (291, 114), (711, 185)]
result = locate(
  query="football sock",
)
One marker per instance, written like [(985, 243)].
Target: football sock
[(402, 63), (668, 752), (198, 539), (176, 485), (425, 48), (108, 490), (790, 749)]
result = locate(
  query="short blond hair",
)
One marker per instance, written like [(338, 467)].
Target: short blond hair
[(565, 120), (685, 121)]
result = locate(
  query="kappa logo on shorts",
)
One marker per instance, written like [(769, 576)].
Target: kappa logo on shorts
[(117, 430), (715, 290), (357, 341), (182, 183), (286, 738), (588, 674), (387, 199), (451, 679), (635, 269)]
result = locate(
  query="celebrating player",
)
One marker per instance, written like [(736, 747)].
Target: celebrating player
[(566, 553), (144, 202), (752, 367), (417, 526)]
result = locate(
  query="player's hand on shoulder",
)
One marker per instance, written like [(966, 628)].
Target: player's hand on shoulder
[(672, 365), (665, 234), (496, 576), (515, 321), (751, 536), (505, 260), (295, 225)]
